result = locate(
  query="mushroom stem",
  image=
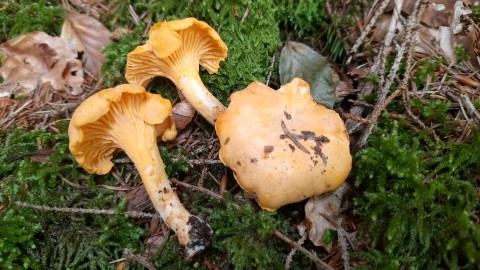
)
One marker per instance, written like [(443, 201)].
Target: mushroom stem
[(195, 92), (193, 233)]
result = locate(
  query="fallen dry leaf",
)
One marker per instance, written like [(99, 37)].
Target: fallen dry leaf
[(88, 36), (37, 58), (319, 206), (183, 114)]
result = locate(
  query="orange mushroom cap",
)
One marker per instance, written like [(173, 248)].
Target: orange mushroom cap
[(175, 48), (281, 145), (96, 131)]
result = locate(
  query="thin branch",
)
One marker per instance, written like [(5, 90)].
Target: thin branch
[(313, 257), (201, 189), (289, 135), (271, 69), (409, 43), (133, 214), (129, 256), (367, 29), (15, 113)]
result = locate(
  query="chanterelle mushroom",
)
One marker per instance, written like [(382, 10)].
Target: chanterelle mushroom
[(281, 145), (174, 50), (127, 117)]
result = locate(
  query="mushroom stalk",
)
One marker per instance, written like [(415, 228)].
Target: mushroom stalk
[(193, 233), (195, 92)]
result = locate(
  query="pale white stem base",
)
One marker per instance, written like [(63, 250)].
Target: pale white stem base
[(193, 233), (195, 92)]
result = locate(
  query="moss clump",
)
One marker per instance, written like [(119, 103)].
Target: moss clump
[(302, 17), (113, 69), (419, 204), (23, 16), (246, 235)]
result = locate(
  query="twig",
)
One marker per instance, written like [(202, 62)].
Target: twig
[(409, 41), (393, 22), (367, 30), (356, 118), (129, 256), (135, 17), (310, 255), (201, 189), (16, 112), (202, 161), (271, 68), (133, 214), (204, 170), (289, 135), (376, 69), (472, 111), (300, 241)]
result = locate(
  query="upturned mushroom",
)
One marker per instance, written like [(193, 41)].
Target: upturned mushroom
[(174, 50), (129, 118), (281, 145)]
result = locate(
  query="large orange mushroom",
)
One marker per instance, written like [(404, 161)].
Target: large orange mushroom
[(130, 119), (281, 145), (175, 50)]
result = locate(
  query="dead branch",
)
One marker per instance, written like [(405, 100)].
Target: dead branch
[(408, 46), (367, 29), (132, 214)]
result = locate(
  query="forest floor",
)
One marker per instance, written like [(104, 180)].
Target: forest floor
[(403, 76)]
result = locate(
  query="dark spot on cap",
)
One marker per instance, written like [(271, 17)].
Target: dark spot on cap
[(307, 133), (291, 147), (227, 140), (283, 136), (253, 160), (239, 163), (166, 190), (267, 149), (287, 115)]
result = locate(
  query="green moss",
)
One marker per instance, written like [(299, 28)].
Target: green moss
[(303, 16), (246, 235), (418, 205), (175, 162), (425, 69), (23, 16), (113, 70)]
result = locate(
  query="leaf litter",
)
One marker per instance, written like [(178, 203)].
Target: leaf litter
[(88, 37)]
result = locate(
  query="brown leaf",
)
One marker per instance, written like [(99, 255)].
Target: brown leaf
[(88, 36), (183, 114), (37, 58), (319, 206)]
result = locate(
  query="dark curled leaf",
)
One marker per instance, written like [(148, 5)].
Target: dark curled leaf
[(299, 60)]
